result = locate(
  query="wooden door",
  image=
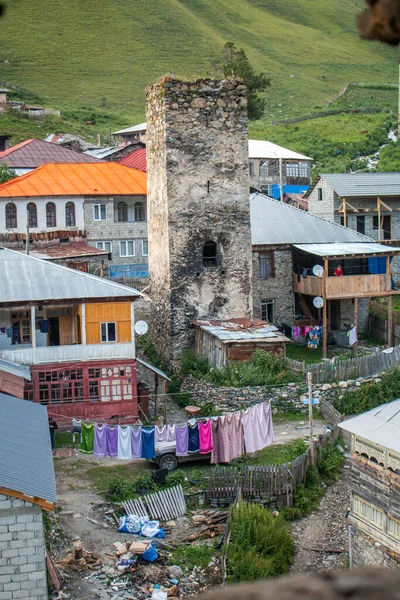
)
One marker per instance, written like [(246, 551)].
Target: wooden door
[(65, 324)]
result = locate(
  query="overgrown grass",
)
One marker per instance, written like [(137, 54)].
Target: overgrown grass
[(63, 439), (309, 355), (277, 454), (369, 396), (188, 557), (260, 544)]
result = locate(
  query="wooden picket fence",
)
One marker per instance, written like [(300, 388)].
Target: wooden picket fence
[(350, 368), (255, 483)]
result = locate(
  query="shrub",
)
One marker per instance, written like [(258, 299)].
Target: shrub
[(371, 395), (189, 557), (145, 482), (192, 364), (260, 544), (176, 477)]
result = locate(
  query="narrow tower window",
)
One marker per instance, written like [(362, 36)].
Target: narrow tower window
[(210, 254)]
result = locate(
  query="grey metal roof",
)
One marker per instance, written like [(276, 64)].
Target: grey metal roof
[(349, 185), (380, 425), (29, 279), (26, 461), (15, 369), (274, 222), (152, 368), (348, 249), (139, 127)]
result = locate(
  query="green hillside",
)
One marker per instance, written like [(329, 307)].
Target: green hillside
[(103, 53)]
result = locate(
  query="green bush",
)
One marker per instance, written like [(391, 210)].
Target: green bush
[(371, 395), (193, 365), (176, 477), (260, 544), (188, 557), (145, 482), (264, 368)]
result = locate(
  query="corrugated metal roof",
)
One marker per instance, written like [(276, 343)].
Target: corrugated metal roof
[(15, 369), (69, 250), (29, 279), (265, 149), (154, 369), (349, 185), (341, 249), (91, 179), (67, 138), (242, 330), (139, 127), (26, 462), (135, 160), (34, 153), (274, 222), (380, 425)]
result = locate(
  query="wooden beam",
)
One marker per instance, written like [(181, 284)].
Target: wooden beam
[(355, 346), (390, 322), (32, 499), (164, 400)]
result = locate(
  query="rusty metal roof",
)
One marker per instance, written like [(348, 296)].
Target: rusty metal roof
[(69, 250), (91, 179), (242, 330)]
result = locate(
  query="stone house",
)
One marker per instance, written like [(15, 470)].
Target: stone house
[(276, 171), (137, 133), (75, 332), (287, 244), (366, 202), (27, 487), (374, 519), (101, 203)]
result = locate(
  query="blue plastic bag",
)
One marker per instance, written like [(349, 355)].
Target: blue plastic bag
[(150, 555), (160, 534)]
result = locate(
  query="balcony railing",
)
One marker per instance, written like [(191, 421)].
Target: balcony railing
[(76, 352), (347, 286)]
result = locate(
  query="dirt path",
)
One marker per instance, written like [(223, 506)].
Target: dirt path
[(325, 529)]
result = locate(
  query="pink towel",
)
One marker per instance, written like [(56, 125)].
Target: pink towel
[(205, 435)]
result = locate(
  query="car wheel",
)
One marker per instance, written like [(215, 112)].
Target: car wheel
[(168, 461)]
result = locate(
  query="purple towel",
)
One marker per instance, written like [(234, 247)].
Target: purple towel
[(112, 441), (99, 446), (182, 440), (136, 442)]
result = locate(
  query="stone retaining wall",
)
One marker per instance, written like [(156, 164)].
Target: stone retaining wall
[(22, 551), (228, 399)]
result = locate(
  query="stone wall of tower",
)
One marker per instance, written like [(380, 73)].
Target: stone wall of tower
[(198, 191)]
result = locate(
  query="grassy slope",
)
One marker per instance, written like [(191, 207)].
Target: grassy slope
[(100, 53)]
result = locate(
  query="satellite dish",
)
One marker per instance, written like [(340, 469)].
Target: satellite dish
[(318, 270), (318, 302), (141, 327)]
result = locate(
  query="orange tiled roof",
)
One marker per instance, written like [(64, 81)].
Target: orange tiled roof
[(66, 179)]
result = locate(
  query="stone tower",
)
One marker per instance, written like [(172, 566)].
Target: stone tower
[(198, 207)]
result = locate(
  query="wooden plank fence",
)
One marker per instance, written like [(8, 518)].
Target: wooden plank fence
[(350, 368), (257, 483)]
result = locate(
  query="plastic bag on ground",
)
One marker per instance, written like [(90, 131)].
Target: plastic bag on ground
[(130, 524), (150, 555), (159, 595), (151, 528)]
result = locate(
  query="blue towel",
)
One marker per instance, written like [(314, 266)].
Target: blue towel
[(193, 442), (148, 442)]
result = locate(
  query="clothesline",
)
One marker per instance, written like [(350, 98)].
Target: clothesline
[(225, 437)]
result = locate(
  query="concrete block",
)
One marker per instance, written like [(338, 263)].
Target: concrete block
[(6, 553), (38, 575), (3, 528), (18, 577), (18, 560), (15, 585), (25, 518), (29, 585), (18, 527), (17, 503), (19, 594), (33, 558), (5, 504), (7, 570), (28, 568), (9, 520), (25, 535), (5, 537), (34, 526), (18, 543), (5, 578), (6, 595)]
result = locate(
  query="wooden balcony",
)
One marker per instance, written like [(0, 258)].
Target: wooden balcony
[(68, 353), (347, 286)]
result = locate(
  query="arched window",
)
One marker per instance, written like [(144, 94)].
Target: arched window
[(51, 214), (70, 214), (140, 214), (122, 212), (11, 216), (32, 214), (209, 254)]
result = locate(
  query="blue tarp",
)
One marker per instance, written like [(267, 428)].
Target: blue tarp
[(287, 189), (377, 265), (130, 271)]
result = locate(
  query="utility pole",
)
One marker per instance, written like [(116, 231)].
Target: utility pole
[(310, 416), (398, 112), (27, 232), (280, 181)]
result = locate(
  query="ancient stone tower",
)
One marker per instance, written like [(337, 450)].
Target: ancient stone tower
[(198, 208)]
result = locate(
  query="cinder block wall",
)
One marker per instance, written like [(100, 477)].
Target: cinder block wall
[(22, 551)]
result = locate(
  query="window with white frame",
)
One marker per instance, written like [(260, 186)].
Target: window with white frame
[(145, 248), (368, 512), (393, 527), (108, 332), (99, 212), (127, 248), (268, 310), (104, 246)]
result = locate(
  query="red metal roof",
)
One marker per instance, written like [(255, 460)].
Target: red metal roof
[(92, 179), (135, 160), (34, 153), (68, 250)]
